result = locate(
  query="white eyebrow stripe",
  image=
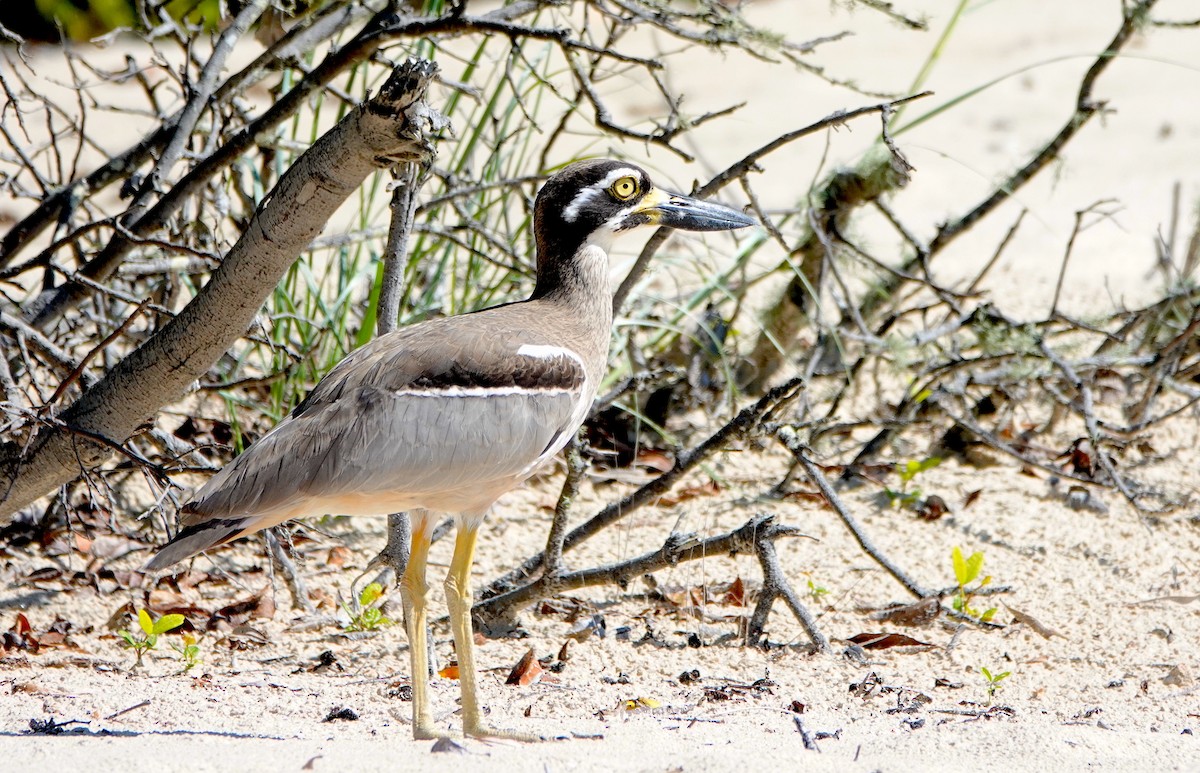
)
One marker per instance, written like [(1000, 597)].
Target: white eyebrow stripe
[(547, 352), (585, 196)]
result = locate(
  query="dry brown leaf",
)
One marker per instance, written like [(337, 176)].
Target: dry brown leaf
[(711, 488), (527, 671), (933, 508), (736, 595), (338, 554), (655, 460), (883, 641)]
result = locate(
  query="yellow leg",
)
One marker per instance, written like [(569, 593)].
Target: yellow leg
[(458, 600), (414, 593)]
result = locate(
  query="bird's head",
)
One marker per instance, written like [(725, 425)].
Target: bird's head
[(592, 202)]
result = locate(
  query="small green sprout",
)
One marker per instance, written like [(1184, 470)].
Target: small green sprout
[(151, 630), (816, 591), (367, 616), (189, 652), (904, 496), (966, 570), (993, 681)]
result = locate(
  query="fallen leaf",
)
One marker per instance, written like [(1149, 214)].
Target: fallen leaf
[(527, 671), (446, 745), (338, 555), (883, 641), (933, 508), (190, 579), (449, 672), (1179, 676), (711, 488), (655, 460), (111, 546), (736, 595)]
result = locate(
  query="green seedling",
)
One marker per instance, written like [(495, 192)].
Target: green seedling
[(817, 591), (189, 652), (905, 496), (966, 570), (993, 681), (151, 630), (367, 616)]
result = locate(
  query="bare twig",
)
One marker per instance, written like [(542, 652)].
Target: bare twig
[(747, 164), (576, 467), (776, 586), (791, 441), (1085, 110), (741, 425)]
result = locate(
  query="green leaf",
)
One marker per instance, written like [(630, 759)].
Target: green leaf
[(960, 566), (974, 566), (147, 625), (128, 637), (168, 623), (987, 616), (986, 674), (370, 594)]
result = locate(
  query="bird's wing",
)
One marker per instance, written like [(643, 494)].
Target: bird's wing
[(409, 412)]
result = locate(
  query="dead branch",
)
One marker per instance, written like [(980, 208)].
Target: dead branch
[(387, 129), (740, 426), (762, 529), (776, 586), (791, 441), (738, 170), (1085, 110)]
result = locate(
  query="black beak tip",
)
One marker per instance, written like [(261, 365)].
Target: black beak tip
[(696, 215)]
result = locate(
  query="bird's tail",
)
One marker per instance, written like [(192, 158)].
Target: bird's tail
[(199, 537)]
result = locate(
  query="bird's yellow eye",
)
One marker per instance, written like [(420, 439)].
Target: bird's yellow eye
[(624, 188)]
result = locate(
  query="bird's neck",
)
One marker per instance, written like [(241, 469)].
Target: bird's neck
[(580, 283), (579, 291)]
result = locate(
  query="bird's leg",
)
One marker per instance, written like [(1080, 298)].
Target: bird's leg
[(414, 593), (458, 600)]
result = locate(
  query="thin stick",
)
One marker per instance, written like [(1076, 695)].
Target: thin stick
[(403, 207), (78, 371), (291, 574), (576, 466), (775, 586), (737, 170), (787, 436), (746, 420)]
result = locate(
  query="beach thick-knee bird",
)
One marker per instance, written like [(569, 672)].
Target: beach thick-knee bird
[(446, 415)]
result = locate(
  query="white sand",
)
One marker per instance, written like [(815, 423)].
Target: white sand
[(1115, 691)]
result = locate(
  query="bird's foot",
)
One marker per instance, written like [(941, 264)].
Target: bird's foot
[(483, 732), (427, 731)]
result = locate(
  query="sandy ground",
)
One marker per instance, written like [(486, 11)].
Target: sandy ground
[(1113, 689)]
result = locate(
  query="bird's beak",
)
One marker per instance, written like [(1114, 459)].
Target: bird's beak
[(673, 210)]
